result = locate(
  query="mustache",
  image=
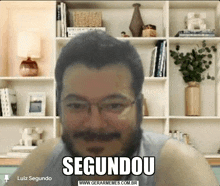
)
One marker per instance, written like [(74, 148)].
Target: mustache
[(99, 136)]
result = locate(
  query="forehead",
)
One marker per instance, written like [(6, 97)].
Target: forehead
[(94, 83)]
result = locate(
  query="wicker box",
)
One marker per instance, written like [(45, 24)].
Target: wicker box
[(87, 19)]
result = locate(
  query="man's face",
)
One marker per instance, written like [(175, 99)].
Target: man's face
[(103, 130)]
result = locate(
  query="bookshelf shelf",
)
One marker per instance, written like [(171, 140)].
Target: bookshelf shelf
[(26, 117), (154, 117), (164, 95), (159, 79), (27, 78), (194, 40), (212, 156), (142, 41), (195, 117), (114, 5), (132, 40)]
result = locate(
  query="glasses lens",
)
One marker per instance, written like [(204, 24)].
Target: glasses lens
[(78, 106), (115, 106)]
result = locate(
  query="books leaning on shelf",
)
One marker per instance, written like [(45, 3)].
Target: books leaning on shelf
[(158, 60), (58, 18), (196, 33), (73, 31), (61, 21), (8, 102), (1, 103)]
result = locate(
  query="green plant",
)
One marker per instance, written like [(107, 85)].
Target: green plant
[(194, 63)]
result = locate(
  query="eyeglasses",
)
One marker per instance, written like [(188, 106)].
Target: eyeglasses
[(115, 106)]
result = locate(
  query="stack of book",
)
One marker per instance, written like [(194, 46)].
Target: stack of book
[(158, 60), (73, 31), (8, 102), (20, 151), (61, 19), (196, 33)]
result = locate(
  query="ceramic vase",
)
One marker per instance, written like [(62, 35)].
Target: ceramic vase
[(28, 68), (192, 99), (136, 22)]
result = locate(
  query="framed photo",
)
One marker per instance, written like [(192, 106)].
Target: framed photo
[(36, 104)]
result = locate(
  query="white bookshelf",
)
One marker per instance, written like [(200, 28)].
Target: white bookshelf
[(165, 96)]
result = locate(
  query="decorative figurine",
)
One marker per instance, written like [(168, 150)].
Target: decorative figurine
[(195, 21), (149, 31), (31, 136), (123, 34)]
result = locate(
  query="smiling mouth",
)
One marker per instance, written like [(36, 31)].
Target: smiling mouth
[(95, 150)]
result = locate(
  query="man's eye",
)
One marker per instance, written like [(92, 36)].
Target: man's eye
[(115, 106), (77, 106)]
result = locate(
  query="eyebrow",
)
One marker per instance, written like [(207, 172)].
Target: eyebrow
[(76, 96)]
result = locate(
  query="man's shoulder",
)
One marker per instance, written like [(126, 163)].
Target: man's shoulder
[(34, 164), (181, 164), (155, 140)]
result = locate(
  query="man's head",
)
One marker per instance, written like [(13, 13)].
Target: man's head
[(99, 80)]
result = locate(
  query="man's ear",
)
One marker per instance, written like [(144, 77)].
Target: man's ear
[(139, 104), (58, 105)]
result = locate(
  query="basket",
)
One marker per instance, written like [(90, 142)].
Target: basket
[(87, 19)]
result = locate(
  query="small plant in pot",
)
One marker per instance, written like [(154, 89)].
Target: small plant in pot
[(192, 66)]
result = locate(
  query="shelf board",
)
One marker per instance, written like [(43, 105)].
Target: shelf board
[(39, 78), (45, 5), (193, 40), (132, 40), (210, 156), (194, 117), (25, 117), (192, 5), (147, 79), (154, 117), (141, 40), (114, 4)]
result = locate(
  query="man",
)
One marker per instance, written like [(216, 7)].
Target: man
[(99, 82)]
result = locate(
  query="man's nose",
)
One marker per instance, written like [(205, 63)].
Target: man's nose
[(95, 119)]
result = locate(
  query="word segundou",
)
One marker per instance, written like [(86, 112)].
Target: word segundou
[(108, 166)]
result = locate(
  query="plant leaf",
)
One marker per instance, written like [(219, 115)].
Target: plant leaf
[(210, 56), (177, 47)]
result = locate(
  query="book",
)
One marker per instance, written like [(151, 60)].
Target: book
[(17, 154), (164, 66), (163, 58), (73, 31), (160, 44), (21, 147), (64, 11), (9, 102), (1, 103), (196, 33), (58, 21), (62, 20), (153, 62)]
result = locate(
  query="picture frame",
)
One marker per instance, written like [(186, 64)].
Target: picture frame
[(36, 104)]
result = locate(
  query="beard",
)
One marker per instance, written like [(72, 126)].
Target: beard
[(130, 146)]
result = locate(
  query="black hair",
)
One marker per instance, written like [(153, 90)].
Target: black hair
[(96, 49)]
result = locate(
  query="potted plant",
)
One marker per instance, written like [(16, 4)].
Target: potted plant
[(192, 66)]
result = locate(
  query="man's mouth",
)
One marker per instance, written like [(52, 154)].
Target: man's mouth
[(97, 136), (95, 150)]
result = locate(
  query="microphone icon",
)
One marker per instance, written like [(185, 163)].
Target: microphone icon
[(6, 178)]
